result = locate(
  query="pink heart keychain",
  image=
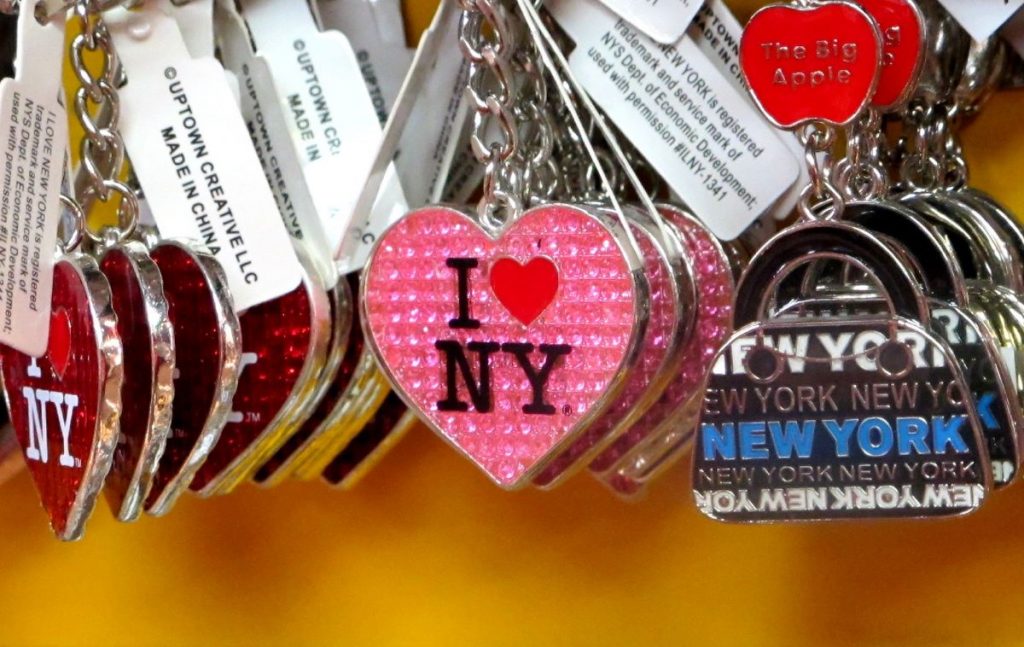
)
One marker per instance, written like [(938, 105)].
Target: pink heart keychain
[(65, 406), (508, 394), (650, 444), (670, 280)]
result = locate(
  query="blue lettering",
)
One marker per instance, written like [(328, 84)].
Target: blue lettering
[(912, 436), (752, 441), (719, 444), (985, 410), (792, 438), (885, 439), (841, 434), (947, 434)]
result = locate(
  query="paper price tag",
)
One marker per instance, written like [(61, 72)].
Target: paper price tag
[(687, 119), (268, 130), (428, 145), (330, 116), (33, 145), (375, 30), (195, 22), (663, 20), (432, 135), (192, 155), (716, 32), (981, 18)]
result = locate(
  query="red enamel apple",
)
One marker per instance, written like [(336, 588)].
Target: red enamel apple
[(903, 29), (813, 63)]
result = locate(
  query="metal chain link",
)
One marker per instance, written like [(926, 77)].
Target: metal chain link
[(97, 108), (862, 174), (820, 198), (512, 129)]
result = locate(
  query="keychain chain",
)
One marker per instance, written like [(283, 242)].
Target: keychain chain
[(512, 133), (102, 148), (862, 175), (817, 139)]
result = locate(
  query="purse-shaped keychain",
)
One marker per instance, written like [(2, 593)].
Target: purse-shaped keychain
[(507, 330)]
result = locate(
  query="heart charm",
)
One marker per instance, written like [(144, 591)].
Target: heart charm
[(58, 349), (510, 395), (208, 347), (137, 294), (284, 348), (524, 290), (814, 63), (903, 29), (68, 422)]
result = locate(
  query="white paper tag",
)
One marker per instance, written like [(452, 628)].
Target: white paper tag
[(193, 157), (33, 146), (981, 18), (717, 33), (435, 128), (688, 120), (430, 115), (195, 22), (268, 129), (375, 30), (330, 117), (663, 20)]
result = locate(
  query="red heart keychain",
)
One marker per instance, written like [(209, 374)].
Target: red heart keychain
[(284, 347), (818, 62), (65, 406), (147, 335), (208, 340)]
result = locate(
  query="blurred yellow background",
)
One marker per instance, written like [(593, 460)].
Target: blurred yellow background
[(425, 551)]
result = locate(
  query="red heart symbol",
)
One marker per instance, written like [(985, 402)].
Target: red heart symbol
[(59, 347), (525, 290), (902, 25), (817, 63)]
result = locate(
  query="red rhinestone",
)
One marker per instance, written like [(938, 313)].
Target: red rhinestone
[(276, 338)]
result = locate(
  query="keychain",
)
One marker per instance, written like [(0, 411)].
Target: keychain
[(494, 368), (135, 283), (202, 189), (65, 404)]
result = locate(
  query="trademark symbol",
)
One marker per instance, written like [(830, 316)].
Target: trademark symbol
[(566, 410), (78, 462)]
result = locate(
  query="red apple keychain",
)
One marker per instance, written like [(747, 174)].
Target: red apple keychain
[(817, 61), (902, 27)]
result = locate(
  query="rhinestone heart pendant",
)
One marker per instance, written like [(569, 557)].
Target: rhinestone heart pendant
[(146, 333), (284, 348), (509, 366), (208, 343), (65, 406)]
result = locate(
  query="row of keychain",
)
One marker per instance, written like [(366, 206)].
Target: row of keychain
[(878, 339), (569, 322), (152, 383)]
